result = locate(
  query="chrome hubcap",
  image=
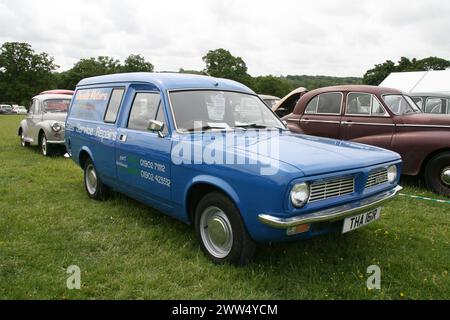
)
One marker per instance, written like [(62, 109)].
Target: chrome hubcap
[(445, 176), (216, 232), (44, 146), (91, 179), (22, 140)]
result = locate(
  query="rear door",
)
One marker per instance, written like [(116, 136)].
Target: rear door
[(143, 157), (322, 116), (365, 120)]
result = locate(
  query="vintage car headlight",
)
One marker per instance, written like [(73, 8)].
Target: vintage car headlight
[(56, 127), (392, 174), (299, 194)]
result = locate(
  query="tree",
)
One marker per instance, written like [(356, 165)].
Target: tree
[(376, 75), (102, 65), (221, 63), (136, 63), (271, 85), (433, 63), (86, 68), (23, 72), (202, 73)]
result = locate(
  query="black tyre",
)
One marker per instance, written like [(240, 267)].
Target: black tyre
[(437, 174), (45, 148), (94, 186), (221, 231)]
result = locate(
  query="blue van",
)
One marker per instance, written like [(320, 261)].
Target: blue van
[(210, 152)]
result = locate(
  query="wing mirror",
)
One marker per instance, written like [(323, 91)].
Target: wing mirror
[(156, 126)]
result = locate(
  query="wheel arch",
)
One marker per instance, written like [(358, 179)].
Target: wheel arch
[(431, 156), (200, 186), (83, 155)]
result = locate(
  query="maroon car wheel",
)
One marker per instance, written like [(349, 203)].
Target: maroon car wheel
[(437, 174)]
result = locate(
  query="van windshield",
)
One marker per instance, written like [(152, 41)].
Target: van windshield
[(201, 110), (56, 105)]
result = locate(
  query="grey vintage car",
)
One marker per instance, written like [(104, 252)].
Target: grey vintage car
[(44, 125), (437, 103)]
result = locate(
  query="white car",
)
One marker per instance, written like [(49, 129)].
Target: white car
[(19, 110)]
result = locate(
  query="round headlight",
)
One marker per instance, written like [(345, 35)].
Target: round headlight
[(392, 174), (300, 194), (56, 127)]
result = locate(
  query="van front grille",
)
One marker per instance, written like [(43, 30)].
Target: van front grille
[(331, 189), (377, 177)]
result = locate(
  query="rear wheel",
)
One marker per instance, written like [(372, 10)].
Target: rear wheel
[(221, 231), (437, 174), (94, 186)]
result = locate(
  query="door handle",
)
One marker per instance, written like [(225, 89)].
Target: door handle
[(123, 138), (348, 123)]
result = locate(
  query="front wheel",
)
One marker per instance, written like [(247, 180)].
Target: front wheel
[(46, 149), (23, 143), (94, 186), (221, 231), (437, 174)]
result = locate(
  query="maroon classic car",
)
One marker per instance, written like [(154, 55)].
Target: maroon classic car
[(382, 117)]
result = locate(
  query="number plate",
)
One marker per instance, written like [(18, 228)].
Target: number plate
[(361, 220)]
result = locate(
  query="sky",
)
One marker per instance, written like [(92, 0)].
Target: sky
[(277, 37)]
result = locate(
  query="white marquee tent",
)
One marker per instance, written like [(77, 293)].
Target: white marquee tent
[(422, 81)]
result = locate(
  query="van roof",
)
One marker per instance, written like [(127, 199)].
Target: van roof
[(169, 81)]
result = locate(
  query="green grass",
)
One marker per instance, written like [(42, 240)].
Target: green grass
[(129, 251)]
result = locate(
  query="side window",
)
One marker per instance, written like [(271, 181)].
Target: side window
[(144, 108), (433, 105), (31, 108), (359, 103), (90, 104), (329, 103), (364, 104), (312, 106), (114, 105), (36, 107)]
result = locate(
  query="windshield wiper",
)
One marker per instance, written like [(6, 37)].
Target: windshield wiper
[(204, 128), (252, 125)]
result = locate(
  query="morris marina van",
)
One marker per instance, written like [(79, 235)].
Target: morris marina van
[(209, 152)]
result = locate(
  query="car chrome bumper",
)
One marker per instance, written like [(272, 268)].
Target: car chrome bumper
[(55, 141), (332, 214)]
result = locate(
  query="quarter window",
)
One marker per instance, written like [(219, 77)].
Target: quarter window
[(113, 106), (312, 106), (160, 117), (143, 110), (418, 101), (364, 104)]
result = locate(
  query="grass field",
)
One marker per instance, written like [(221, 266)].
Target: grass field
[(128, 251)]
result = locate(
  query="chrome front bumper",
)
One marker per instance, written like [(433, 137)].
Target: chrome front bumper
[(332, 214)]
